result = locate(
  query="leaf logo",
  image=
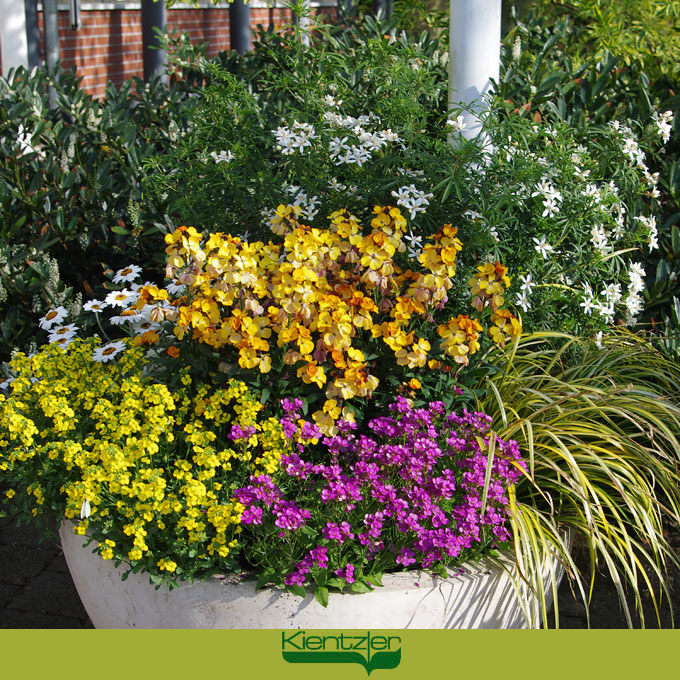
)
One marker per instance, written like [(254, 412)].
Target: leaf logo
[(373, 652)]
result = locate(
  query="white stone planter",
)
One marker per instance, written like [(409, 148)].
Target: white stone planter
[(483, 597)]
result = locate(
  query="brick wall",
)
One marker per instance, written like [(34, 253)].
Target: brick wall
[(108, 45)]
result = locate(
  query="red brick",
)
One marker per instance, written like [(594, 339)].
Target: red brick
[(108, 46)]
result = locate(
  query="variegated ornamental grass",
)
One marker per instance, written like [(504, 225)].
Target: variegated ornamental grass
[(599, 428)]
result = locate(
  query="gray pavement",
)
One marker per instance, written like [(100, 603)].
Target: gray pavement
[(36, 590)]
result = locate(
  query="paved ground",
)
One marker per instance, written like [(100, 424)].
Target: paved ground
[(36, 590)]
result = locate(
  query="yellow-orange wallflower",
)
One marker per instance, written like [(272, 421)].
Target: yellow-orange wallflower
[(506, 327)]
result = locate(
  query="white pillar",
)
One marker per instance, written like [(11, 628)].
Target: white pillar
[(475, 51), (303, 22), (13, 42)]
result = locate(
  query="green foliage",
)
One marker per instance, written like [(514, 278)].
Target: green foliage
[(545, 77), (368, 70), (642, 33), (355, 83), (600, 428), (71, 187)]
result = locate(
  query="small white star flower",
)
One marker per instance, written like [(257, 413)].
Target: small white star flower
[(222, 156), (527, 285), (458, 124), (542, 246)]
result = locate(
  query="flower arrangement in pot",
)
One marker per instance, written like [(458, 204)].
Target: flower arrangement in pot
[(281, 410)]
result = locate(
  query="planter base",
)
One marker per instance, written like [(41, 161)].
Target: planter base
[(485, 596)]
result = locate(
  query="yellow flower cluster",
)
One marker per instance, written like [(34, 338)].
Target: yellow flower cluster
[(460, 338), (316, 301), (155, 466), (487, 287)]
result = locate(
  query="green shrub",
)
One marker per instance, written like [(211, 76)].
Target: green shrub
[(545, 77), (287, 124), (71, 187), (641, 33)]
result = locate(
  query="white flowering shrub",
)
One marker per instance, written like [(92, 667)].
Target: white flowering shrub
[(559, 206), (337, 125), (546, 76)]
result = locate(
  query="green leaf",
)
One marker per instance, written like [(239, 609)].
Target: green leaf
[(120, 230), (440, 570), (321, 595), (361, 587), (375, 579), (297, 590), (675, 239), (263, 580)]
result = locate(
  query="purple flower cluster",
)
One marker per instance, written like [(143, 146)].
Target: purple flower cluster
[(262, 494), (237, 432), (408, 491), (317, 556)]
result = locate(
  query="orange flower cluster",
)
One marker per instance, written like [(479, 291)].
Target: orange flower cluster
[(487, 288), (319, 300), (460, 338)]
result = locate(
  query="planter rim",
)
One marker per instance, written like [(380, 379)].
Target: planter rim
[(488, 594)]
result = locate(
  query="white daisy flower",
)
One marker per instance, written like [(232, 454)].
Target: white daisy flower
[(129, 273), (598, 340), (175, 288), (129, 315), (54, 316), (109, 351), (95, 306), (121, 298), (63, 341), (68, 331), (145, 326)]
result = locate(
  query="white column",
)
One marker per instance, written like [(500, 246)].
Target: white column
[(474, 46), (303, 22), (13, 42)]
